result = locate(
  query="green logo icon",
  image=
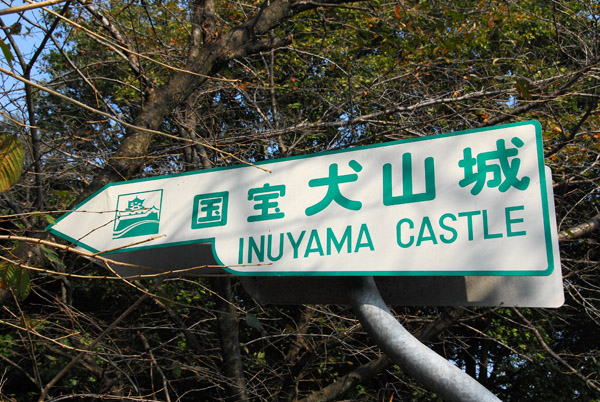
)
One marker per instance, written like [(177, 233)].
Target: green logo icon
[(210, 210), (138, 214)]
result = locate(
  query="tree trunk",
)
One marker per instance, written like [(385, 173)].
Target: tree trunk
[(228, 330)]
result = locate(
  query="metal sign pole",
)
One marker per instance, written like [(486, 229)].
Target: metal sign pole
[(433, 371)]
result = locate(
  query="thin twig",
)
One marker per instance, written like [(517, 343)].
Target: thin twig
[(124, 123), (19, 9), (555, 355), (93, 344)]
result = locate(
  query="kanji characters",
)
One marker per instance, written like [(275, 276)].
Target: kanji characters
[(495, 168), (210, 210), (265, 196), (504, 171), (408, 195), (333, 182)]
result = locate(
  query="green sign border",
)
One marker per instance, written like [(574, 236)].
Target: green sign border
[(543, 188)]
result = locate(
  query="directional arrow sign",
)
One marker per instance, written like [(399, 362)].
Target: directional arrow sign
[(467, 203)]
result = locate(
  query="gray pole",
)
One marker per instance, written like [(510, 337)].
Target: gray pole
[(432, 370)]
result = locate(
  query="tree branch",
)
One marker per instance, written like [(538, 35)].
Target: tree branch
[(33, 129), (228, 330), (580, 230), (131, 56), (240, 41), (19, 9), (93, 344), (364, 373), (360, 375), (555, 355), (573, 79)]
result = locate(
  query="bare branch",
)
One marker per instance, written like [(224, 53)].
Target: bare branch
[(538, 336), (580, 230), (18, 9)]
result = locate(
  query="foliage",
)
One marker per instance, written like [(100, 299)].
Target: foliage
[(169, 87), (11, 159), (12, 276), (6, 51)]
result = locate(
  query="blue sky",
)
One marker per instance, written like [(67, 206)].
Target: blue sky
[(27, 42)]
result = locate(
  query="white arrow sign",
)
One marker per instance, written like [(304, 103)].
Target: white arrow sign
[(467, 203)]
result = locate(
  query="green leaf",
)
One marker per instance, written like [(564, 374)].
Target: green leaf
[(46, 217), (52, 256), (11, 160), (6, 51), (253, 322), (16, 278), (523, 87), (177, 370)]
